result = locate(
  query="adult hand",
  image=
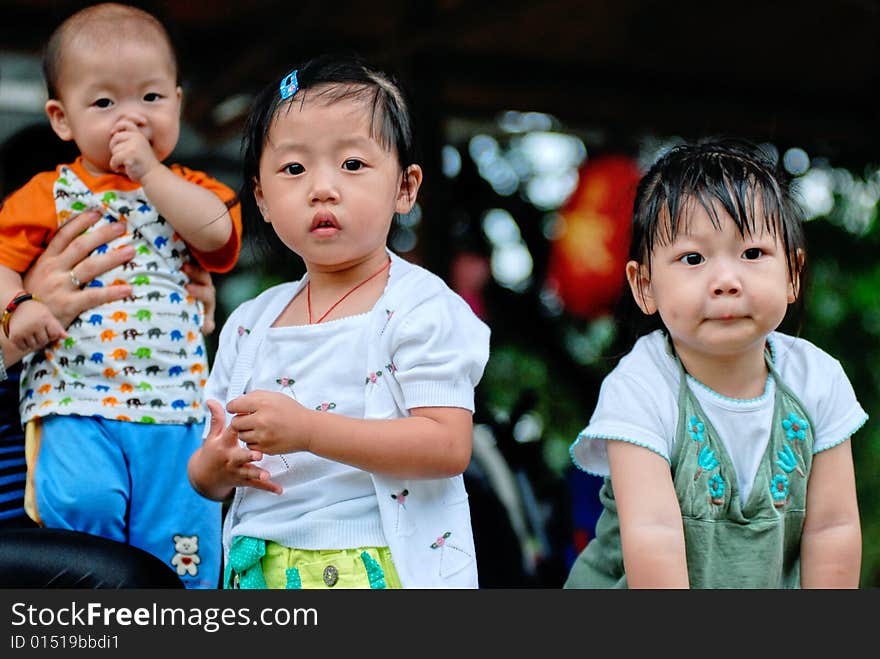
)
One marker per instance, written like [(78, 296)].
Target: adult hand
[(66, 261), (201, 287)]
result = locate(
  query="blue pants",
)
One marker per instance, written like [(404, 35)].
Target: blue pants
[(127, 482)]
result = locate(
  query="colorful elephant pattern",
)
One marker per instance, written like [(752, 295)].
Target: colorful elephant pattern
[(141, 359)]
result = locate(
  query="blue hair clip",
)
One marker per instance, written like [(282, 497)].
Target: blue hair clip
[(289, 85)]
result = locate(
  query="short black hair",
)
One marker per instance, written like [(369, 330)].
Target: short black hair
[(112, 13), (734, 174)]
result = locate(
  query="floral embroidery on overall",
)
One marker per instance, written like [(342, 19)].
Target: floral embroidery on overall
[(795, 428), (697, 430), (706, 461), (787, 460), (779, 490), (391, 368), (372, 378), (323, 407), (243, 330), (716, 489), (795, 433)]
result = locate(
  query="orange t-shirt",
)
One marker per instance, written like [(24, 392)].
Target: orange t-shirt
[(29, 219)]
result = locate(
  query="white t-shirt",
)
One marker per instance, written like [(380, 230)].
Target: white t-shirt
[(325, 504), (638, 403), (436, 352)]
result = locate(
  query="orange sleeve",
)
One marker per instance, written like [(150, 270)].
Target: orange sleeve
[(27, 222), (223, 259)]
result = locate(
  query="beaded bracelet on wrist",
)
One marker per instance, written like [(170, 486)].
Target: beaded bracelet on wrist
[(17, 300)]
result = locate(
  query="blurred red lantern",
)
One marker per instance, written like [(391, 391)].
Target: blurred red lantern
[(588, 256)]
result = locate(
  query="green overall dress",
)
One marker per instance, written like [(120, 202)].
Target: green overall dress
[(728, 544)]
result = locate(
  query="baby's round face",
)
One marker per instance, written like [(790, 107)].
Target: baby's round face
[(719, 292), (104, 89), (328, 187)]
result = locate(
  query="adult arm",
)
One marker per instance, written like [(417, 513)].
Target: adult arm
[(651, 529), (49, 278), (831, 544)]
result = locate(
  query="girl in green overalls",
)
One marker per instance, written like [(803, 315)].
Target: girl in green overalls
[(724, 443)]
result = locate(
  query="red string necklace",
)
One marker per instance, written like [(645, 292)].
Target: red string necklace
[(334, 305)]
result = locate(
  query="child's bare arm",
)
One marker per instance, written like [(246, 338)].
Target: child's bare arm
[(31, 325), (221, 464), (651, 529), (831, 544), (10, 284), (198, 215), (434, 442)]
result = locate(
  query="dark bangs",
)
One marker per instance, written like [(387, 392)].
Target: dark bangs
[(728, 175)]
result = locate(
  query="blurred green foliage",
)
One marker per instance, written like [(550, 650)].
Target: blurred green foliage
[(842, 317), (840, 314), (556, 363)]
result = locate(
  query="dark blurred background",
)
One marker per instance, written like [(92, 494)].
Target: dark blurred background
[(535, 120)]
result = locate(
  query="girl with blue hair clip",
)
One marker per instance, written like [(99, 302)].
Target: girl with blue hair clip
[(342, 403), (725, 443)]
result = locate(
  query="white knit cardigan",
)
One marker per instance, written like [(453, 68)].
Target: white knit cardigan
[(426, 521)]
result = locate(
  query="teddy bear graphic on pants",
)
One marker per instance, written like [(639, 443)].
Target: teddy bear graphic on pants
[(186, 559)]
